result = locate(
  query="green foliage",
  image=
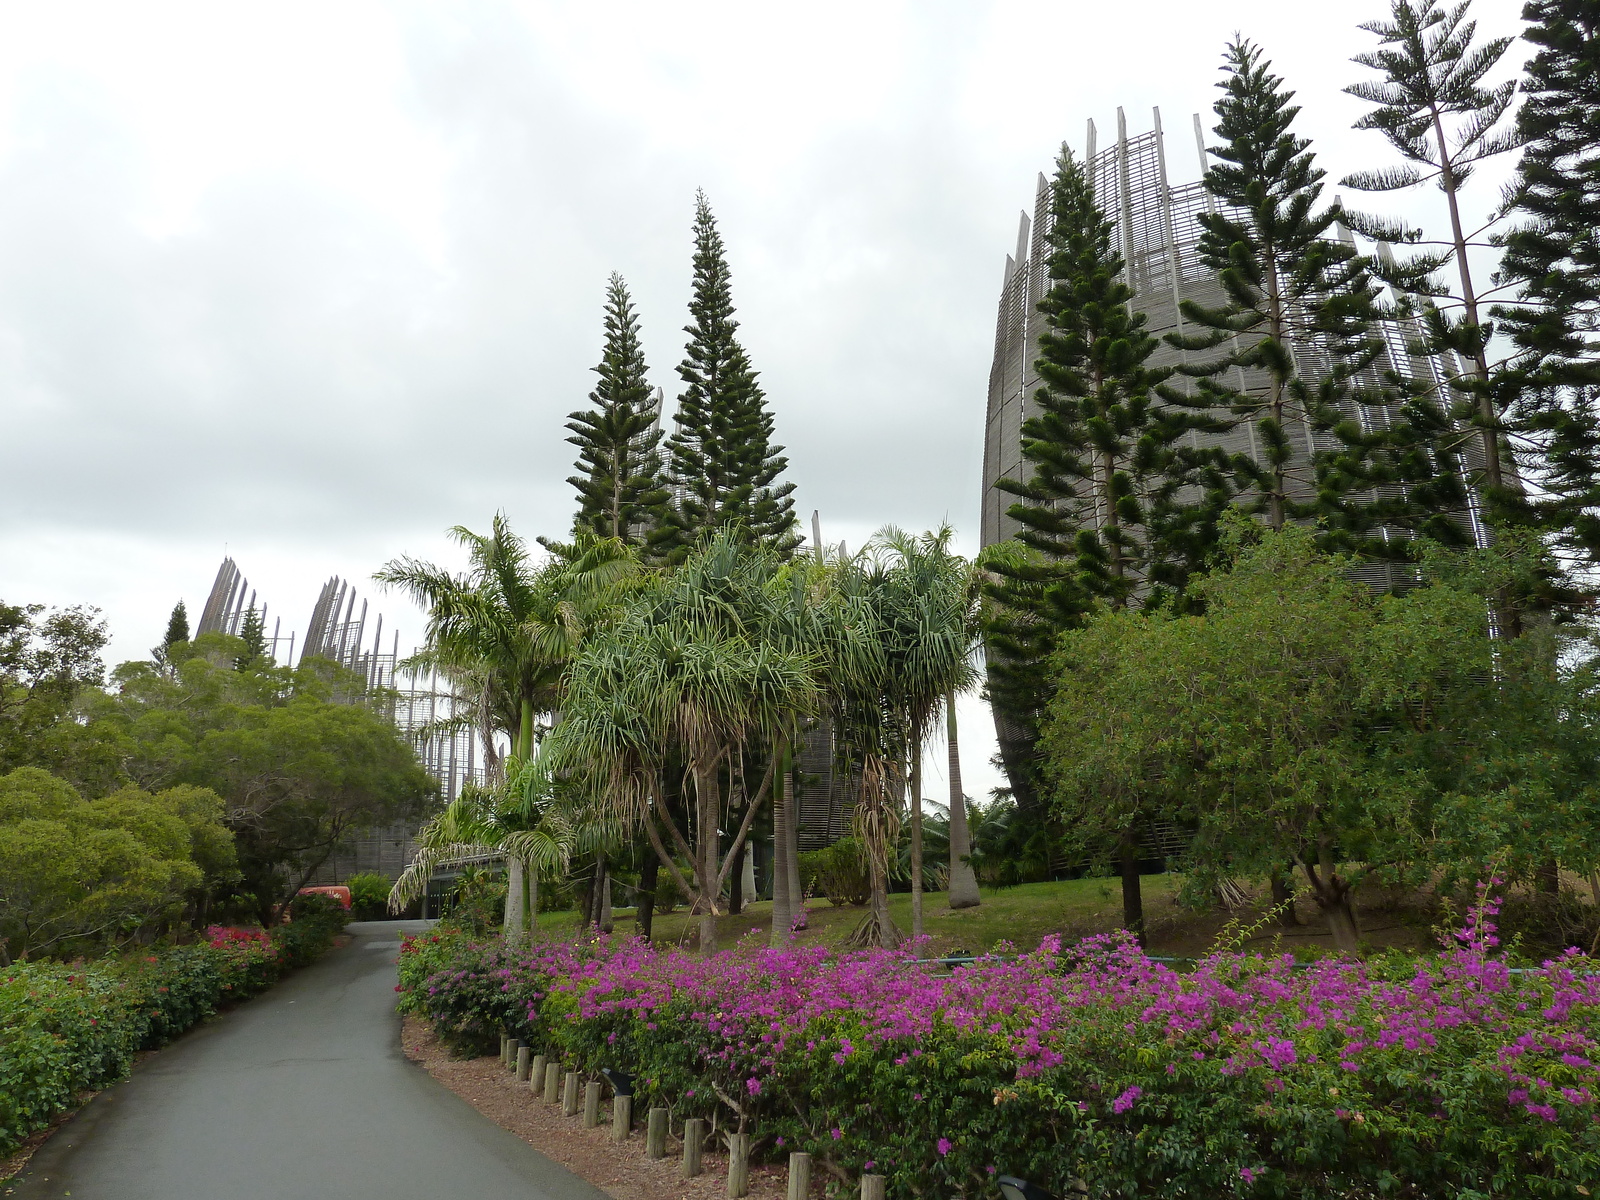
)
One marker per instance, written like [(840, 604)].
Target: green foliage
[(77, 874), (314, 921), (369, 895), (297, 772), (1289, 284), (177, 631), (838, 872), (1102, 501), (721, 462), (48, 662), (1305, 719), (70, 1028), (619, 487)]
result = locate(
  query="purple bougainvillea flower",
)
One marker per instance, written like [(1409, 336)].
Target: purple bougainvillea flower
[(943, 1146)]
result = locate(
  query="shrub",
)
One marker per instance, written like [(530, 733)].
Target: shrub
[(67, 1028), (369, 895), (1404, 1076), (314, 921), (838, 871)]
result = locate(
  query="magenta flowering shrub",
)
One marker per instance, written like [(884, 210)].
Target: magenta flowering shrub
[(1406, 1076)]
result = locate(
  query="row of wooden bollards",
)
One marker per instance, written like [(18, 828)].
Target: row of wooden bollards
[(545, 1077)]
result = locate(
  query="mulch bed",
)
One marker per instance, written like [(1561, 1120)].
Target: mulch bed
[(622, 1170)]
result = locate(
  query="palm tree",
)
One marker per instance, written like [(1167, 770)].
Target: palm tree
[(510, 626), (930, 619), (511, 622), (484, 822)]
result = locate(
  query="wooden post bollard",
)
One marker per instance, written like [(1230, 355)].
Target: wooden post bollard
[(655, 1136), (536, 1073), (504, 1042), (569, 1095), (872, 1186), (552, 1082), (621, 1117), (524, 1062), (738, 1165), (694, 1132), (591, 1105), (799, 1175)]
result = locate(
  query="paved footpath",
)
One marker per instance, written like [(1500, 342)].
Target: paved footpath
[(300, 1094)]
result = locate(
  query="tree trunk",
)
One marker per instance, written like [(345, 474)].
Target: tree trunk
[(1332, 895), (1132, 892), (1283, 900), (791, 836), (736, 897), (1547, 878), (515, 922), (963, 885), (603, 918), (916, 841), (782, 901), (644, 912), (708, 804), (531, 876)]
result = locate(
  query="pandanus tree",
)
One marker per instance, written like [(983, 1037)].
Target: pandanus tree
[(697, 672)]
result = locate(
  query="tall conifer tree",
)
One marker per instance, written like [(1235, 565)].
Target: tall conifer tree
[(619, 485), (721, 464), (1101, 512), (1553, 258), (177, 631), (1433, 106), (1289, 283)]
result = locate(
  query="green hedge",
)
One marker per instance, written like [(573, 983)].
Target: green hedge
[(70, 1028)]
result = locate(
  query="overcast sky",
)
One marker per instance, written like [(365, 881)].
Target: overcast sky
[(307, 283)]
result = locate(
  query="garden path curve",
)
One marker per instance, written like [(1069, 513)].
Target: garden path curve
[(301, 1094)]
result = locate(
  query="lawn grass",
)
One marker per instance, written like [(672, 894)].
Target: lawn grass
[(1020, 915)]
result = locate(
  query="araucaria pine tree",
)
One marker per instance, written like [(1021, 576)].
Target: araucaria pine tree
[(177, 631), (722, 467), (1106, 454), (1101, 511), (1552, 257), (619, 463), (1290, 283), (1433, 106)]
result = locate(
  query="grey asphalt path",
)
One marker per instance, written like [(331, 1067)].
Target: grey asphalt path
[(300, 1094)]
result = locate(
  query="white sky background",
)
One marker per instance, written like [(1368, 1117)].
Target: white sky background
[(308, 283)]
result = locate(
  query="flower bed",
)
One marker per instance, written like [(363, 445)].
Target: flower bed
[(70, 1028), (1090, 1067)]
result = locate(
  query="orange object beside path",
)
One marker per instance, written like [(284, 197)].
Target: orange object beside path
[(338, 891)]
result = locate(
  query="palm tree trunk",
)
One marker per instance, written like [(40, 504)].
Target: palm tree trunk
[(531, 876), (736, 896), (1132, 891), (603, 917), (916, 841), (791, 840), (644, 911), (708, 801), (782, 897), (963, 886), (515, 922)]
